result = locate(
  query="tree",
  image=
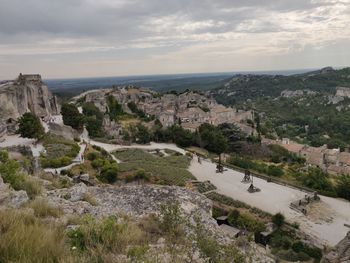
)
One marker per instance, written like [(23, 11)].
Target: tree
[(93, 119), (94, 126), (183, 138), (72, 117), (278, 220), (143, 135), (30, 126), (115, 109), (343, 188), (212, 139)]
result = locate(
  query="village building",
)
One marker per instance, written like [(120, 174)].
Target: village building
[(330, 160)]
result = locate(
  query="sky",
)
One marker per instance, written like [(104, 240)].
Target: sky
[(90, 38)]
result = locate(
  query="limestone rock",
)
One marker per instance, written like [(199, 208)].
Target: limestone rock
[(136, 201), (63, 131), (10, 198), (343, 92), (26, 93)]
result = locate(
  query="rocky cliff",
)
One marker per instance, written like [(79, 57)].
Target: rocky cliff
[(26, 93)]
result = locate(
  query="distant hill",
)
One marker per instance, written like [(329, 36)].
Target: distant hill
[(160, 83), (247, 86), (311, 107)]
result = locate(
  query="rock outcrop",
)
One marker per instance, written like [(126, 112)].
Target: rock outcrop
[(343, 92), (26, 93), (10, 198), (63, 131), (136, 201), (341, 252)]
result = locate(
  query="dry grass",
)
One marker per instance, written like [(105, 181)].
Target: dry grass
[(32, 186), (24, 238), (43, 209), (90, 199)]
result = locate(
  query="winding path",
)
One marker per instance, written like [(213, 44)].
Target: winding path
[(273, 197)]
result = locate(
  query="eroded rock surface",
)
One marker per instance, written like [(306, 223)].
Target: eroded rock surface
[(10, 198), (26, 93)]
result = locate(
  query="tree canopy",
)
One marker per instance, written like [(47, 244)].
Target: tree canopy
[(72, 117), (30, 126)]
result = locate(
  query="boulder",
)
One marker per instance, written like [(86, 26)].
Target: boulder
[(63, 131), (10, 198)]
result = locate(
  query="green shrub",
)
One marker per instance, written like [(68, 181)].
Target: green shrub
[(10, 173), (98, 163), (109, 173), (275, 171), (92, 156), (278, 219)]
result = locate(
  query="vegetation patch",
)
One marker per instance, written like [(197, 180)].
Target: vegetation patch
[(59, 151), (171, 170), (11, 173)]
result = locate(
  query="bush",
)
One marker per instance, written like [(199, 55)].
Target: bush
[(171, 220), (98, 163), (235, 218), (10, 173), (278, 219), (109, 173), (275, 171)]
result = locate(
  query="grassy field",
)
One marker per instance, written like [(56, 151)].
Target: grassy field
[(170, 170)]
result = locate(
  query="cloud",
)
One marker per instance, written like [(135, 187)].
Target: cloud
[(151, 31)]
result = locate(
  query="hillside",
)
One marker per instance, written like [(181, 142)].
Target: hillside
[(311, 108), (243, 87)]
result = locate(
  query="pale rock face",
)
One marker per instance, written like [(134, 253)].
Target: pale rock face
[(10, 198), (63, 130), (27, 93), (343, 92)]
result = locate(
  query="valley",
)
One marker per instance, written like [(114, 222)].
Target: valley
[(126, 141)]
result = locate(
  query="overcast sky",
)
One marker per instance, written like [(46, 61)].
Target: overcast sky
[(87, 38)]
